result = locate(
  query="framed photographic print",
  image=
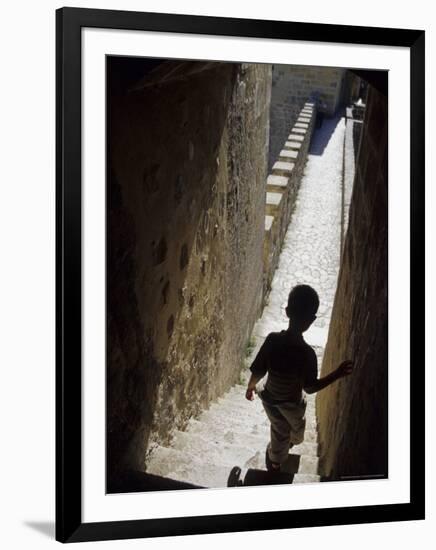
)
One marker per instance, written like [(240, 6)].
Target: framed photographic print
[(240, 271)]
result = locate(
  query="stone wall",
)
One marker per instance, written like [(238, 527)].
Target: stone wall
[(186, 200), (352, 412), (292, 85), (282, 189)]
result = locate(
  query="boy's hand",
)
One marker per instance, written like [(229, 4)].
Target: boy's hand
[(249, 394), (345, 368)]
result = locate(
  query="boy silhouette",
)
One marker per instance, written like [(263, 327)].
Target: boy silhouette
[(291, 365)]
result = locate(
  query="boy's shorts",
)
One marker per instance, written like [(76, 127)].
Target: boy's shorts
[(288, 422)]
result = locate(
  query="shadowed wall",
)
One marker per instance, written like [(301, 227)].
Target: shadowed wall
[(353, 412), (188, 146)]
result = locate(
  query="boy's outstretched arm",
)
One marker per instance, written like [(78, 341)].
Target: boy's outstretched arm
[(344, 369)]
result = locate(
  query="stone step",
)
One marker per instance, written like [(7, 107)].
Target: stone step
[(236, 403), (305, 478), (256, 407), (232, 411), (308, 465), (196, 447), (216, 451), (305, 119), (252, 429), (181, 466), (255, 437), (301, 125), (190, 456), (221, 420), (178, 465)]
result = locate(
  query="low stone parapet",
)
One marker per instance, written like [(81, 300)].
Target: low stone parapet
[(281, 190)]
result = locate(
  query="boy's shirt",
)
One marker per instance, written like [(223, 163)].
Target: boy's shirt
[(291, 366)]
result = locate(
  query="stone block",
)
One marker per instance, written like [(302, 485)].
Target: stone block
[(295, 137), (287, 154), (273, 203), (277, 181), (301, 125), (269, 220), (273, 199), (283, 168), (296, 130), (293, 145)]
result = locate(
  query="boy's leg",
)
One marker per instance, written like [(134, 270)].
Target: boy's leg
[(296, 417), (278, 448)]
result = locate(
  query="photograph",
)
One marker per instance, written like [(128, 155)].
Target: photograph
[(216, 294), (239, 274), (246, 274)]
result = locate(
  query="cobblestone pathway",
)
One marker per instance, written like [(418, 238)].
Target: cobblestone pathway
[(235, 431)]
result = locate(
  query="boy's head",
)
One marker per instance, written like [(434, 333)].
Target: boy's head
[(303, 303)]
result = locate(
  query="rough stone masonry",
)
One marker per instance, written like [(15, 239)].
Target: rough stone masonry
[(186, 198)]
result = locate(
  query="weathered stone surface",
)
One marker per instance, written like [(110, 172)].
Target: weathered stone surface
[(186, 193), (292, 145), (353, 412), (288, 154), (273, 198), (301, 125), (277, 181), (268, 222), (283, 167), (273, 203), (295, 137)]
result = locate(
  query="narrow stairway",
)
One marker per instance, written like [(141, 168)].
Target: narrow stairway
[(234, 431)]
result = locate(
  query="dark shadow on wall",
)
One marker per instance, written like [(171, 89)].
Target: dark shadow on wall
[(321, 136)]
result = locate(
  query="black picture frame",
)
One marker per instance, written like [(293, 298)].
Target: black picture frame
[(69, 525)]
